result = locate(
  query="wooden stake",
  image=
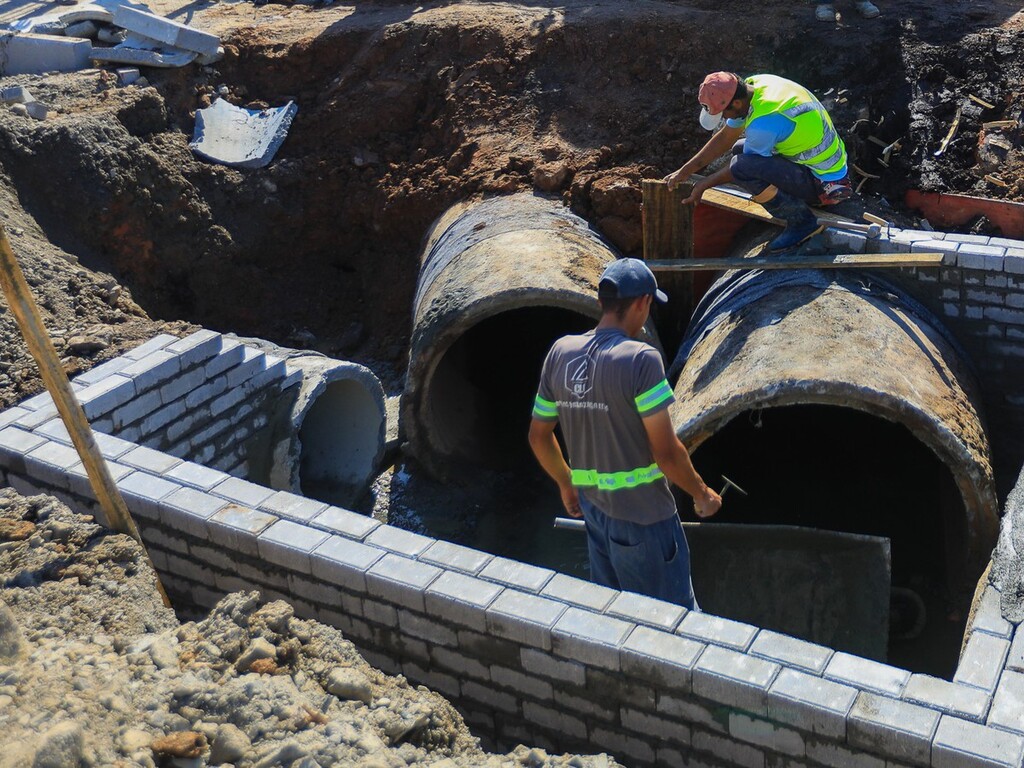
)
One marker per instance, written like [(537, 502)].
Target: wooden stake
[(24, 309)]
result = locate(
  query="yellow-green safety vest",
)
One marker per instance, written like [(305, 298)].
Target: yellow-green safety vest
[(814, 142)]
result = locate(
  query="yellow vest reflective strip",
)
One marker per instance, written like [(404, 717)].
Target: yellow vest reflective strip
[(544, 409), (814, 141), (653, 397), (616, 481)]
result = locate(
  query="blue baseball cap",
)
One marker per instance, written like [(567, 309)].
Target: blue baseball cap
[(627, 279)]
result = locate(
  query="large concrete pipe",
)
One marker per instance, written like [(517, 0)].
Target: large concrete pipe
[(499, 281), (839, 403), (327, 434)]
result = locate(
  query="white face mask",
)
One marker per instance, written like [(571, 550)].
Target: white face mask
[(708, 121)]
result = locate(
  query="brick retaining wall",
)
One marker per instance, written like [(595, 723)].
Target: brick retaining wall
[(528, 654)]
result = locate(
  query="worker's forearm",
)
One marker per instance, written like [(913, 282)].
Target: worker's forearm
[(680, 470), (549, 456), (716, 146)]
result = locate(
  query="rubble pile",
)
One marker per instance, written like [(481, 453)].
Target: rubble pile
[(95, 671)]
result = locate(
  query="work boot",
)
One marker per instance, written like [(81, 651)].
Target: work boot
[(833, 192), (867, 9), (825, 12), (801, 223)]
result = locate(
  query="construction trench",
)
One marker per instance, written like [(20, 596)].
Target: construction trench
[(437, 232)]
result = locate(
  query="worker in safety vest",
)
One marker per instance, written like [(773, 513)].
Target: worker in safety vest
[(608, 391), (786, 152)]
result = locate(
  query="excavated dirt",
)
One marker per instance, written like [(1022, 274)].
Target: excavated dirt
[(95, 671), (403, 110)]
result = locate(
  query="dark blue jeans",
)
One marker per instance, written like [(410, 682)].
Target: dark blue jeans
[(755, 173), (651, 560)]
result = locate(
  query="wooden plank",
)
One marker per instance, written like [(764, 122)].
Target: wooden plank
[(668, 234), (826, 261), (667, 223), (946, 210), (726, 200)]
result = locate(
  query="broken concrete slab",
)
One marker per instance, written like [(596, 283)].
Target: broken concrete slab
[(128, 75), (166, 31), (37, 110), (242, 138), (81, 13), (16, 94), (85, 29), (24, 53), (122, 54)]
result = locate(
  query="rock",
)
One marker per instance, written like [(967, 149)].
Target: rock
[(179, 744), (259, 648), (551, 177), (348, 683), (83, 346), (19, 109), (59, 747), (230, 745), (12, 641), (132, 740), (163, 654), (276, 616), (15, 530), (286, 754)]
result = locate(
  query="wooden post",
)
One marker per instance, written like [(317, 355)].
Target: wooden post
[(24, 309), (668, 234)]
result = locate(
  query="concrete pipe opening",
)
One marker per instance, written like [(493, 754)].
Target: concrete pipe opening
[(330, 434), (841, 404), (499, 281)]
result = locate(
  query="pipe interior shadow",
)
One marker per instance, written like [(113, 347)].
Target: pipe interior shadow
[(484, 385), (845, 470)]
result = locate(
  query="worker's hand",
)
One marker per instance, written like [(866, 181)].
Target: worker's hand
[(571, 500), (707, 504), (696, 194), (676, 178)]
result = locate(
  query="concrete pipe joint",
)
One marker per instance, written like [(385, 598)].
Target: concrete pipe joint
[(841, 403), (328, 433), (499, 281)]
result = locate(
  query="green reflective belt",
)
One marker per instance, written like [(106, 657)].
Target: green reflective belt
[(616, 481)]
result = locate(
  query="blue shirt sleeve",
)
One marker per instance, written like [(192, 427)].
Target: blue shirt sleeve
[(764, 132)]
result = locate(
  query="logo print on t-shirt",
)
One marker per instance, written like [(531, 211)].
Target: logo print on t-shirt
[(577, 375)]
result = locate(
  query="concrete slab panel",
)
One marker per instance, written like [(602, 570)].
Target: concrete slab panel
[(796, 581), (29, 54), (241, 138)]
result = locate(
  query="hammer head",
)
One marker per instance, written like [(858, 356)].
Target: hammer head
[(874, 231), (730, 484)]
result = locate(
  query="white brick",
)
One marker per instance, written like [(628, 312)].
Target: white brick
[(289, 545)]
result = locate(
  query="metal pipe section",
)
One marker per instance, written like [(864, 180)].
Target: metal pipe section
[(499, 281), (798, 340)]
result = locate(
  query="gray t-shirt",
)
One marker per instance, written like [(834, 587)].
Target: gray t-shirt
[(599, 386)]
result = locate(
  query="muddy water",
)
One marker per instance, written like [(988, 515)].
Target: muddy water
[(507, 514)]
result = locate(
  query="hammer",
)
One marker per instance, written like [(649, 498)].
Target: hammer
[(871, 230), (730, 484)]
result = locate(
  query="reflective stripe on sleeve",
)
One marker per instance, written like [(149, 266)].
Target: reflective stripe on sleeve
[(544, 409), (653, 397), (615, 481)]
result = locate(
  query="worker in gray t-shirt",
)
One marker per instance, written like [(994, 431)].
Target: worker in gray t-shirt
[(608, 391)]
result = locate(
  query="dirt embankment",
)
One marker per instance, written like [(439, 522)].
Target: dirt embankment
[(95, 671), (403, 111)]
